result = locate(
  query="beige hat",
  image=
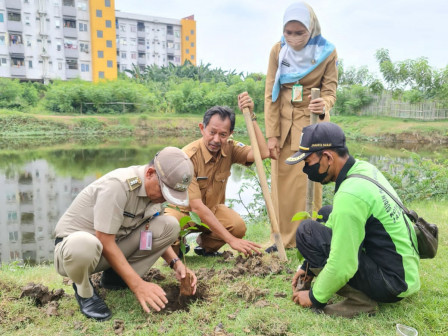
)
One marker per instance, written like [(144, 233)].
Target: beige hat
[(175, 172)]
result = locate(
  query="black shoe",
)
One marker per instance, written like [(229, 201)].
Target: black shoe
[(111, 280), (187, 249), (200, 251), (271, 249), (93, 307)]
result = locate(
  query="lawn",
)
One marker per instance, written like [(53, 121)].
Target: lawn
[(235, 304)]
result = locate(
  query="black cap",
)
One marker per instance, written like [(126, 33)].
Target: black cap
[(324, 135)]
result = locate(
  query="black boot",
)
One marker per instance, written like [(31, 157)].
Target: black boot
[(93, 307)]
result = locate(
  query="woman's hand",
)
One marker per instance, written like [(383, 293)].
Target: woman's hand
[(316, 106), (274, 148)]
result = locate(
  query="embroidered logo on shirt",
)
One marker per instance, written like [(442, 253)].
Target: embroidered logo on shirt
[(134, 183), (239, 144), (285, 63)]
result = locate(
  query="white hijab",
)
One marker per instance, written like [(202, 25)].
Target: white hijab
[(294, 65)]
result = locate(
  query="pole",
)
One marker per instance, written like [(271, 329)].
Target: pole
[(264, 185), (315, 93)]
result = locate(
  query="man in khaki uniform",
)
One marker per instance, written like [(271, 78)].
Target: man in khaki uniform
[(212, 157), (116, 225)]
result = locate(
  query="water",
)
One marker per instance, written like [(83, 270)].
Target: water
[(38, 185)]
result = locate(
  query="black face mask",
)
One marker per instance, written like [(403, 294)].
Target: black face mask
[(313, 172)]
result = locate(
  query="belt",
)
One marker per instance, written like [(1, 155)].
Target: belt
[(57, 241)]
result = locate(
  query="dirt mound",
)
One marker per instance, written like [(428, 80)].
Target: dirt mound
[(40, 294), (179, 302), (259, 266)]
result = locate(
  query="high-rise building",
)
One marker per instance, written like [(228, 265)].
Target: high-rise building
[(43, 40)]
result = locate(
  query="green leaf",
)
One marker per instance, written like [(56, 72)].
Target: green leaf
[(195, 218), (300, 216), (192, 228), (184, 221), (300, 256)]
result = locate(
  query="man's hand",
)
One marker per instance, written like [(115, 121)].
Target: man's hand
[(274, 148), (244, 246), (295, 278), (181, 272), (316, 106), (244, 100), (152, 294), (302, 298)]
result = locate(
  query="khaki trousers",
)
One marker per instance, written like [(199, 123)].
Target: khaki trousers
[(288, 188), (208, 240), (79, 254)]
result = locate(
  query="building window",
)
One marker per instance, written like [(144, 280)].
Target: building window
[(99, 13), (132, 42), (28, 41), (69, 3), (71, 64), (1, 17), (58, 45), (2, 61), (169, 45), (60, 65), (140, 26), (82, 5), (123, 41), (82, 26), (170, 57), (27, 20), (110, 64), (108, 44), (57, 23), (133, 29), (69, 23), (99, 33), (192, 57), (123, 55), (177, 33), (123, 28), (15, 39), (177, 59), (30, 64), (141, 41), (169, 30), (17, 62), (192, 44), (101, 74), (100, 54), (13, 16), (70, 43), (187, 51), (192, 32), (108, 24), (85, 67), (187, 38), (133, 55), (2, 39), (84, 47), (107, 3)]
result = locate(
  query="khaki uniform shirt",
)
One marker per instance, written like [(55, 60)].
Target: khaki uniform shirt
[(283, 116), (210, 173), (115, 204)]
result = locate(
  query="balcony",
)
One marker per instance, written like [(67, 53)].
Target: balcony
[(18, 71), (141, 47), (141, 61), (71, 53), (13, 4), (72, 73), (15, 26), (141, 33), (69, 11), (70, 32), (17, 49)]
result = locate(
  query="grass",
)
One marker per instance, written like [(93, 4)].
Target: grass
[(426, 310)]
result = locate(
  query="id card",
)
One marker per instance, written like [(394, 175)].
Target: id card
[(297, 93), (145, 240)]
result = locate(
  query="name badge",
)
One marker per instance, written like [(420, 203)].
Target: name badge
[(297, 93), (145, 240)]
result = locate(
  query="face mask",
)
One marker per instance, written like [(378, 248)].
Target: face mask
[(313, 172), (297, 42)]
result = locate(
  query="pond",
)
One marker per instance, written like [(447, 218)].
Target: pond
[(38, 184)]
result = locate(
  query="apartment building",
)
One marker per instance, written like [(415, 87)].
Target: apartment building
[(43, 40)]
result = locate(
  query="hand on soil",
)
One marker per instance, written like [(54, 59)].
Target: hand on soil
[(296, 277), (245, 246), (302, 298), (152, 294)]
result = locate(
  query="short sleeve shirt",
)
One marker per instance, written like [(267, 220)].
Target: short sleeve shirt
[(115, 204), (211, 173)]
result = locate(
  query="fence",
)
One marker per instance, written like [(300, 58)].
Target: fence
[(385, 106)]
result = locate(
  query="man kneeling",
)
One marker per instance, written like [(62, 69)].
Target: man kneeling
[(365, 251)]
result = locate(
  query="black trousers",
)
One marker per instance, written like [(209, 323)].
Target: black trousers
[(313, 240)]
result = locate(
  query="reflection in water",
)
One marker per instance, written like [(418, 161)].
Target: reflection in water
[(38, 186)]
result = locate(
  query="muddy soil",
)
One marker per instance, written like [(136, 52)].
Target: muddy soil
[(40, 294)]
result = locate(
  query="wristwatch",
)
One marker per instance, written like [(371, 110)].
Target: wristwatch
[(323, 111), (172, 262)]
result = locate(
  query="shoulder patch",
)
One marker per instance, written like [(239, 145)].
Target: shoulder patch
[(238, 144), (190, 151), (134, 183)]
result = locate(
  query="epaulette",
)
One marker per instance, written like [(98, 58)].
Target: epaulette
[(134, 183)]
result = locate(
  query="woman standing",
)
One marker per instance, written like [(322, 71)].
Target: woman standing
[(301, 60)]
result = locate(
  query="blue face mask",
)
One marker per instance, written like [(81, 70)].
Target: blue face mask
[(313, 172)]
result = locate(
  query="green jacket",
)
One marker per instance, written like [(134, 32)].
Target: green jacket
[(366, 218)]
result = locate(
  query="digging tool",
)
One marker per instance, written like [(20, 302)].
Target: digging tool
[(315, 93), (264, 186)]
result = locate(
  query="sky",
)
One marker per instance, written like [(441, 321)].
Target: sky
[(239, 34)]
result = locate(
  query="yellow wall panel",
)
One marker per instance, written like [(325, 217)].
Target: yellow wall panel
[(188, 35)]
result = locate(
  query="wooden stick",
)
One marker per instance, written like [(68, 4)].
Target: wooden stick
[(264, 185), (315, 93)]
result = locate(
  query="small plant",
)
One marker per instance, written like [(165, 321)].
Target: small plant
[(185, 229)]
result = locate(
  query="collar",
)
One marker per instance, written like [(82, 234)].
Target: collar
[(206, 153), (141, 175), (343, 173)]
